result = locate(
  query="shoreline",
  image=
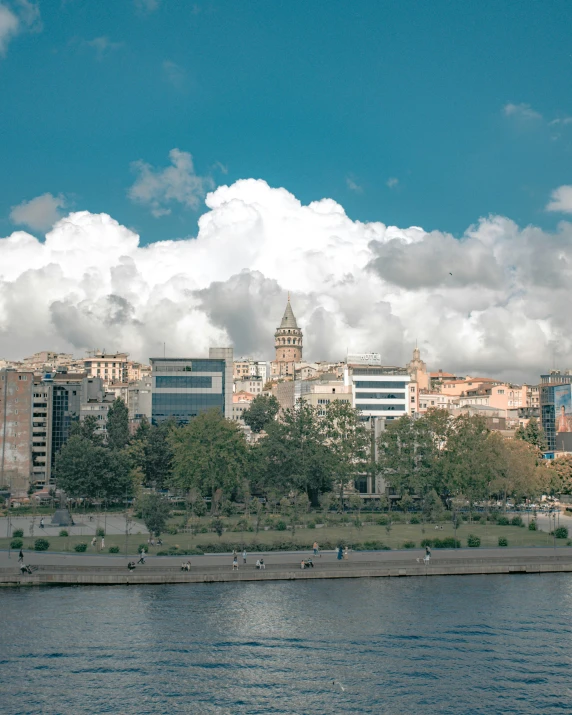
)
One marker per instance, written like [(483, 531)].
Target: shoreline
[(106, 571)]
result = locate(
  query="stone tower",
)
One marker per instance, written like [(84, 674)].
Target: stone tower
[(288, 343)]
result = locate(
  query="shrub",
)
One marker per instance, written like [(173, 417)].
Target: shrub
[(517, 521), (502, 520), (217, 526), (80, 547), (382, 521), (203, 530), (503, 541), (172, 530), (311, 525), (16, 544), (142, 546), (100, 532), (280, 525), (368, 546), (113, 549), (447, 543), (18, 533), (41, 545), (561, 532), (473, 541), (63, 532), (426, 542), (409, 545), (414, 520), (532, 526)]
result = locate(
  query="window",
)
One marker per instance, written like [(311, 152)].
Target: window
[(501, 392)]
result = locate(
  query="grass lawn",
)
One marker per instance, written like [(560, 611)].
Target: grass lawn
[(395, 538)]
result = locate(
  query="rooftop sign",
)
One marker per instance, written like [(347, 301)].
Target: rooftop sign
[(364, 359)]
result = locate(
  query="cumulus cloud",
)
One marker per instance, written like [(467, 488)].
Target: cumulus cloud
[(352, 185), (392, 182), (561, 200), (493, 302), (40, 213), (25, 17), (521, 111), (177, 183), (103, 46)]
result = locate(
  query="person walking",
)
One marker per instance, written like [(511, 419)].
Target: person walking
[(340, 553), (21, 557), (42, 523), (316, 549), (94, 542), (102, 543), (142, 557), (244, 556)]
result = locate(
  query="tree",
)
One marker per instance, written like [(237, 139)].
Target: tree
[(209, 453), (118, 425), (263, 410), (560, 471), (151, 451), (85, 469), (348, 443), (155, 510), (516, 468), (88, 429), (295, 455), (533, 434)]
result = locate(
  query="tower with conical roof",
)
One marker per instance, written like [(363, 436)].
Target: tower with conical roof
[(288, 343)]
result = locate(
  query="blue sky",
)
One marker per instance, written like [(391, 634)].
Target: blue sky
[(394, 109)]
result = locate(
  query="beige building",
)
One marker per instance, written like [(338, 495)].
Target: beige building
[(417, 370), (241, 401), (110, 367), (250, 384)]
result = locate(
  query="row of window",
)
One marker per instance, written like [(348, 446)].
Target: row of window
[(396, 385), (379, 408), (186, 382)]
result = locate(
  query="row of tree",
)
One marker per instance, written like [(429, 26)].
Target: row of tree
[(305, 451)]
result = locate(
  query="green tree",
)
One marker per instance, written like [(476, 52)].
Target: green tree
[(118, 425), (88, 429), (85, 469), (533, 434), (209, 453), (155, 510), (263, 410), (150, 450), (295, 455), (348, 444)]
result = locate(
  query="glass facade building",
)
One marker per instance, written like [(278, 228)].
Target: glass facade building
[(555, 399), (183, 388)]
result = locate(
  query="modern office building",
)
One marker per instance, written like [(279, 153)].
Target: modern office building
[(380, 391), (555, 406), (183, 388)]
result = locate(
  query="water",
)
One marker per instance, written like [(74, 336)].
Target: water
[(472, 644)]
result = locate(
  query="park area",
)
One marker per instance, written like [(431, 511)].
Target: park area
[(184, 534)]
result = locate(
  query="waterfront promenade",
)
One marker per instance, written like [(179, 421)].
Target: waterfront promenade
[(85, 569)]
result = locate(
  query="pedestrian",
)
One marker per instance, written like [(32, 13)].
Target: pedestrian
[(244, 556), (235, 562), (102, 543), (94, 541), (42, 523), (340, 553), (142, 557), (21, 557), (302, 564), (315, 547), (346, 554)]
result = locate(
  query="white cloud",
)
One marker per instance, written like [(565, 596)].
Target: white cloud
[(353, 185), (392, 182), (24, 17), (103, 46), (147, 6), (561, 200), (362, 286), (522, 111), (40, 213), (174, 74), (177, 183)]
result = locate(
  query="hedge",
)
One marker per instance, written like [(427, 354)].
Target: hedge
[(41, 545), (18, 533), (473, 541), (448, 542), (16, 544), (80, 547)]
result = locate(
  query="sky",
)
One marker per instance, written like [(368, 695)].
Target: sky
[(169, 170)]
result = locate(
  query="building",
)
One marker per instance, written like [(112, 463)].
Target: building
[(417, 369), (139, 401), (95, 401), (435, 401), (379, 391), (241, 401), (556, 406), (183, 388), (42, 421), (16, 391), (246, 367), (252, 383), (110, 367), (288, 345)]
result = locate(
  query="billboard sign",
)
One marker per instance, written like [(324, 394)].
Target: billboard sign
[(563, 408), (364, 359)]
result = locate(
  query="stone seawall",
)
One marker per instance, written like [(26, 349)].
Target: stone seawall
[(85, 576)]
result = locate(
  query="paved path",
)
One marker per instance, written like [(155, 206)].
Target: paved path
[(112, 523)]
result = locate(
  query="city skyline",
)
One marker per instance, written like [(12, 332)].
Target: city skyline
[(436, 215)]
